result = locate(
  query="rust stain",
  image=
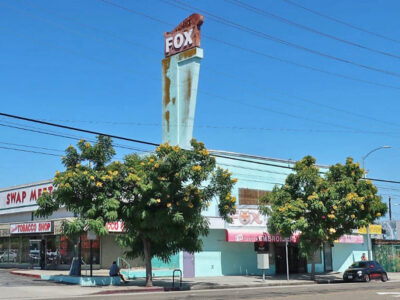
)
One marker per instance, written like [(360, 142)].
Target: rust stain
[(188, 95), (166, 116), (187, 54), (167, 82)]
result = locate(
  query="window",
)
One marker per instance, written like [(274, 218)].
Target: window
[(250, 196)]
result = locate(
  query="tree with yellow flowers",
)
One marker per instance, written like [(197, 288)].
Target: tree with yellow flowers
[(160, 197), (165, 194), (322, 207)]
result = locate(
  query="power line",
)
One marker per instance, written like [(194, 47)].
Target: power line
[(276, 39), (294, 130), (139, 45), (52, 133), (268, 14), (78, 129), (29, 146), (154, 144), (341, 22), (30, 151), (255, 52)]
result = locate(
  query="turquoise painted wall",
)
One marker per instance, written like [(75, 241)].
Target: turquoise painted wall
[(172, 264), (344, 255), (222, 258)]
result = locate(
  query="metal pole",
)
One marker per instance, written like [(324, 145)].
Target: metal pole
[(91, 258), (287, 261), (368, 243), (263, 274), (390, 208)]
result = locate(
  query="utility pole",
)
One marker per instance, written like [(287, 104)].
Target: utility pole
[(390, 208)]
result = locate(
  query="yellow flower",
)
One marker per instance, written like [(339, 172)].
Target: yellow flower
[(99, 184), (158, 200), (168, 204), (186, 199), (57, 173), (378, 214), (104, 178), (208, 204), (151, 160), (335, 207), (81, 141), (352, 216), (156, 165), (196, 168), (190, 205), (115, 173), (92, 177), (77, 165), (233, 199), (226, 207), (234, 180), (87, 145), (85, 172), (331, 216), (67, 185), (142, 163), (332, 230), (362, 207)]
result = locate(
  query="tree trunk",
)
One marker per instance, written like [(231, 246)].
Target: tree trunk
[(147, 258), (80, 256), (313, 268)]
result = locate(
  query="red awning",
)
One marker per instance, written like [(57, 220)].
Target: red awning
[(251, 236)]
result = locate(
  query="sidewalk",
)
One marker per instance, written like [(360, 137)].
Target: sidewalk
[(198, 283)]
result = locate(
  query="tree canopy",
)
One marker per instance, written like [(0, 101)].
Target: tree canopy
[(322, 208), (160, 197)]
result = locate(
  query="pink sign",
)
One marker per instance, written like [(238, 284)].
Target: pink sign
[(251, 236), (39, 227), (351, 239), (117, 226)]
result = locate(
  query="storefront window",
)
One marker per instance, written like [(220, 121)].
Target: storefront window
[(67, 249), (86, 250), (14, 254), (4, 247), (25, 258)]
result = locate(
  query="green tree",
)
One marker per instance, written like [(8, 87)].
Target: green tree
[(81, 189), (159, 197), (322, 208), (166, 193)]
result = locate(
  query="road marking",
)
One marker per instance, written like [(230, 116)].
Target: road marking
[(393, 294)]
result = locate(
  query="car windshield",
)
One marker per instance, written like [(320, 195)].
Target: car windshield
[(359, 264)]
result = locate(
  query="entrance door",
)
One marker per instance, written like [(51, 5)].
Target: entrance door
[(328, 265), (34, 253), (297, 264), (188, 265)]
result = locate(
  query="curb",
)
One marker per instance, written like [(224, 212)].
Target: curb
[(218, 287), (25, 274), (127, 291)]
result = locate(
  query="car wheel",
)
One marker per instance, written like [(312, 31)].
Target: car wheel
[(367, 278), (384, 277)]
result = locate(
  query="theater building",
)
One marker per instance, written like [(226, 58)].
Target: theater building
[(229, 249)]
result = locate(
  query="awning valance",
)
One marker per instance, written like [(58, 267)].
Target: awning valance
[(251, 236)]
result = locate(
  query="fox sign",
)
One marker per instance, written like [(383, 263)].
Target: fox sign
[(185, 36)]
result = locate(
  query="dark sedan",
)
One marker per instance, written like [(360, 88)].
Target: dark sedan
[(365, 271)]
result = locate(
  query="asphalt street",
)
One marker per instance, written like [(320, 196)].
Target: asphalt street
[(19, 287)]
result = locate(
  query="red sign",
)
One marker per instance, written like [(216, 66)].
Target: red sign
[(251, 236), (115, 226), (185, 36), (39, 227), (350, 239), (23, 197)]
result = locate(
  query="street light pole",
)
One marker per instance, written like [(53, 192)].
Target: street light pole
[(365, 176), (366, 155)]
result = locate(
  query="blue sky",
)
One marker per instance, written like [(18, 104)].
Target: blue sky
[(90, 64)]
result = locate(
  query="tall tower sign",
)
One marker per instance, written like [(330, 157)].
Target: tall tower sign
[(180, 77)]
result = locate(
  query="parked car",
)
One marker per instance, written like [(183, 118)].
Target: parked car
[(8, 256), (365, 271)]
